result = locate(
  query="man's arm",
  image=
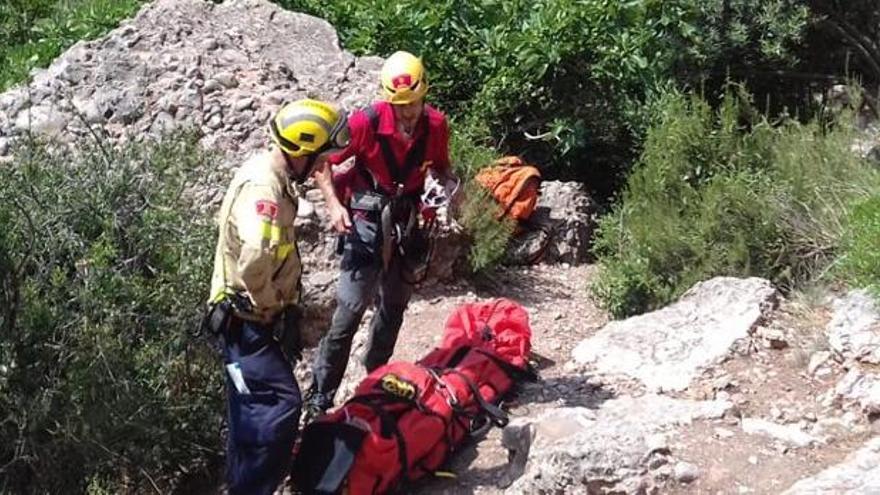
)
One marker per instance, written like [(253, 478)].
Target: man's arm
[(339, 218), (254, 217)]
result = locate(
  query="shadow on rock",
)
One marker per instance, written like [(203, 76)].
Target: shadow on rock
[(562, 391), (463, 477)]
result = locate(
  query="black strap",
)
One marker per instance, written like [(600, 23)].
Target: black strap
[(413, 159), (496, 415), (332, 449), (374, 125)]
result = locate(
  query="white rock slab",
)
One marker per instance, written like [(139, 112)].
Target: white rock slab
[(862, 388), (789, 434), (667, 348), (858, 473), (576, 450), (854, 329)]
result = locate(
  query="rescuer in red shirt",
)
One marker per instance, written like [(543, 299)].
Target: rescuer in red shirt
[(376, 206)]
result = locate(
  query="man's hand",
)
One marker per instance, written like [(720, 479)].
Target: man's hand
[(339, 219)]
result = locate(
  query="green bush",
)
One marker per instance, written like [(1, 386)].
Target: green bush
[(479, 210), (568, 83), (726, 192), (34, 32), (105, 265), (859, 263), (489, 236)]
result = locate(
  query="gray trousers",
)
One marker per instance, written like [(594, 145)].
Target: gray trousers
[(361, 282)]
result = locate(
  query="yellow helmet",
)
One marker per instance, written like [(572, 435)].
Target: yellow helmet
[(306, 127), (403, 78)]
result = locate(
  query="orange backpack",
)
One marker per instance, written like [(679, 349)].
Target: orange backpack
[(514, 184)]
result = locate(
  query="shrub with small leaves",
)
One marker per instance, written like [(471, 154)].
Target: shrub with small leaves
[(859, 263), (104, 266), (727, 192)]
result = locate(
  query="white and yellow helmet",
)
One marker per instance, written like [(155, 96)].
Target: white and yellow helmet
[(306, 127), (403, 78)]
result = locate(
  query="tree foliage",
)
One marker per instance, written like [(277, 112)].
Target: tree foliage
[(105, 265), (34, 32)]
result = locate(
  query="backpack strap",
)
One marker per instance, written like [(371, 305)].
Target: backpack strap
[(495, 414), (373, 117), (416, 154), (413, 160)]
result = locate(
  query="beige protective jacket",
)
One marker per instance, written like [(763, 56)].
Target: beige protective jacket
[(256, 250)]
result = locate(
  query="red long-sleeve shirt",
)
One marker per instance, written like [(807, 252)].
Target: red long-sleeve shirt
[(367, 151)]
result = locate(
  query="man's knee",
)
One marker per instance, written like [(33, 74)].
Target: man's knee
[(354, 293), (392, 315), (345, 321)]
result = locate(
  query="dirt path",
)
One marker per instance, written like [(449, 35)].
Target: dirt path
[(561, 314), (774, 385), (767, 383)]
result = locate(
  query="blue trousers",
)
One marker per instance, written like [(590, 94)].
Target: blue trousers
[(263, 419)]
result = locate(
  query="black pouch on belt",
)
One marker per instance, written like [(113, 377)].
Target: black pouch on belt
[(217, 318), (368, 201)]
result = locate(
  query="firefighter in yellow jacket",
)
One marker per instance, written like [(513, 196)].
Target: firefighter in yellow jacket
[(255, 292)]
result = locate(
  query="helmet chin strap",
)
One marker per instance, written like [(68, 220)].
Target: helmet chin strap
[(291, 171)]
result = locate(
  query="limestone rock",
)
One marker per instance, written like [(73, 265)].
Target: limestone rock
[(789, 434), (48, 121), (667, 348), (817, 360), (854, 329), (686, 472), (858, 473), (181, 57), (581, 450), (862, 388), (319, 302), (566, 215)]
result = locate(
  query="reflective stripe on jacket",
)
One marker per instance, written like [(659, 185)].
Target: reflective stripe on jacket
[(256, 249)]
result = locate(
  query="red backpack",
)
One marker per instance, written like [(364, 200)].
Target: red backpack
[(405, 419)]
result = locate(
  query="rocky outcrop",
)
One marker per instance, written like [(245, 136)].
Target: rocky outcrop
[(667, 348), (220, 69), (854, 330), (861, 388), (621, 445), (611, 449), (854, 339), (858, 473)]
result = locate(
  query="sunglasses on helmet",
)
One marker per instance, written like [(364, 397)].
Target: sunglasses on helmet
[(339, 135)]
